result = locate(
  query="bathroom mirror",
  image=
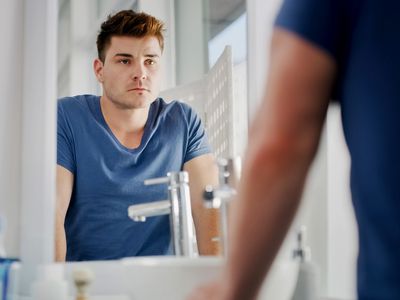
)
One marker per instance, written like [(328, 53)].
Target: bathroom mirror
[(196, 35)]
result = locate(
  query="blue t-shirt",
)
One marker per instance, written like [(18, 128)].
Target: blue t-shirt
[(363, 36), (108, 177)]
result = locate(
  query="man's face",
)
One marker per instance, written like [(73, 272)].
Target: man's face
[(130, 74)]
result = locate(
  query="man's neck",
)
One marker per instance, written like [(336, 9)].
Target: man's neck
[(124, 121)]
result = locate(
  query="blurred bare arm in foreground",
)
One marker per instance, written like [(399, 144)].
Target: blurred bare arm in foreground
[(283, 141)]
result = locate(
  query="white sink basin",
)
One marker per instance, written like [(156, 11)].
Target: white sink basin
[(172, 278), (167, 277), (280, 282)]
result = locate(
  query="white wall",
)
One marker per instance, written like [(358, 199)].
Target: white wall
[(27, 129), (260, 18), (191, 42), (38, 136), (342, 227), (82, 47), (79, 22), (11, 31)]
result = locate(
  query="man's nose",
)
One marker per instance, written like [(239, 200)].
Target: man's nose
[(138, 72)]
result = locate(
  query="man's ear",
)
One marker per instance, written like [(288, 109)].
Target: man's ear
[(98, 69)]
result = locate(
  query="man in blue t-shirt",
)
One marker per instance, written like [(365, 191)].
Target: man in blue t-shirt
[(347, 50), (107, 146)]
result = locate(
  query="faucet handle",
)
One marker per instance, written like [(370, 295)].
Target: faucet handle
[(229, 170), (210, 200), (172, 178), (223, 171)]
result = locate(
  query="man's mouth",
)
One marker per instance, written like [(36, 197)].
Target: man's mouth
[(139, 89)]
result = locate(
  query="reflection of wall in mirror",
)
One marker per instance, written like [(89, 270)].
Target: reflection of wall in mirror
[(213, 99)]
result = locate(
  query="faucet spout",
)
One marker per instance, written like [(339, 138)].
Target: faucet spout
[(139, 212), (178, 207)]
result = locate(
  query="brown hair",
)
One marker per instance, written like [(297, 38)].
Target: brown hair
[(128, 23)]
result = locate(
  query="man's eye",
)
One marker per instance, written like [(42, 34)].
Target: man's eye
[(124, 61), (150, 62)]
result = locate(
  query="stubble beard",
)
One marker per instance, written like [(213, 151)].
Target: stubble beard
[(130, 103)]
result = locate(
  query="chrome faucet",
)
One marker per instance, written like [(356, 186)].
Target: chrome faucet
[(178, 207), (221, 196)]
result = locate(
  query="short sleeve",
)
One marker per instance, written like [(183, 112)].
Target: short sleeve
[(319, 22), (197, 138), (65, 148)]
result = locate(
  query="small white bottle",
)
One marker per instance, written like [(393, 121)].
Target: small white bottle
[(307, 280), (50, 284)]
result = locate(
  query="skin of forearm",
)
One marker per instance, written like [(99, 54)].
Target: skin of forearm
[(65, 180), (60, 243), (203, 171), (207, 230), (206, 222)]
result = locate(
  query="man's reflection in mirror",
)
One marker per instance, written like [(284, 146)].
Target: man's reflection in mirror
[(108, 145)]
